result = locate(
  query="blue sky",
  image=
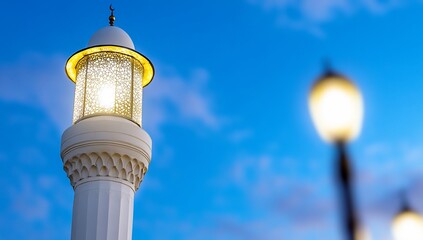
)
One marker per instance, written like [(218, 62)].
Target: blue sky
[(235, 155)]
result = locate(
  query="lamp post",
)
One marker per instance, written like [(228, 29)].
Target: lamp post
[(407, 224), (336, 107), (106, 152)]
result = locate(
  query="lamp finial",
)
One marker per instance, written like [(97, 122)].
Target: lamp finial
[(111, 17), (327, 66)]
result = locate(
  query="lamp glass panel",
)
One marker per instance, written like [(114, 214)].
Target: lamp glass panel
[(78, 107), (123, 78), (137, 98), (108, 83)]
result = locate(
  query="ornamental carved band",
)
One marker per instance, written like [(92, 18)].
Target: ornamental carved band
[(92, 165)]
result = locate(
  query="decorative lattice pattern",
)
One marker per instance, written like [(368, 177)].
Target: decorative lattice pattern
[(137, 100), (105, 165), (78, 111), (108, 83)]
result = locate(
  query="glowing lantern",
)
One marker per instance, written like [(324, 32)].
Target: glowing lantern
[(109, 76), (407, 225), (336, 107)]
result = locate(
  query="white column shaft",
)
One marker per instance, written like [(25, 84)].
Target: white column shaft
[(102, 210)]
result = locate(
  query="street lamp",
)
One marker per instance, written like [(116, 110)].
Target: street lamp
[(336, 107), (407, 224), (105, 152)]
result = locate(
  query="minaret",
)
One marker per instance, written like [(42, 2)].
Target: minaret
[(106, 152)]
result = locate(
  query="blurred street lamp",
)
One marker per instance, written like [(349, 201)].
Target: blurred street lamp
[(407, 225), (336, 107)]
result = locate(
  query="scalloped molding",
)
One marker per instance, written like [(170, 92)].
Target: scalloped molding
[(103, 164)]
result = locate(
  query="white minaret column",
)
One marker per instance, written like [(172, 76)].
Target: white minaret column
[(105, 152)]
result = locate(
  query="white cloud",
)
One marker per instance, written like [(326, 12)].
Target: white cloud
[(396, 163), (41, 81), (36, 190), (238, 136), (379, 7), (324, 10), (283, 188), (29, 204), (265, 176), (34, 202), (309, 15), (177, 100)]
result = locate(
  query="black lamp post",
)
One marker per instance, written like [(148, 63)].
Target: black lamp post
[(346, 192)]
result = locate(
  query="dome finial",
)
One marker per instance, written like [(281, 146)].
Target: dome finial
[(111, 17)]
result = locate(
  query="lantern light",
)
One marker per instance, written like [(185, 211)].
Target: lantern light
[(109, 76), (336, 107), (407, 225)]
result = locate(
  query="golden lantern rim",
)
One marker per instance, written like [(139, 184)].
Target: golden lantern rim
[(72, 62)]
